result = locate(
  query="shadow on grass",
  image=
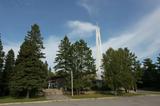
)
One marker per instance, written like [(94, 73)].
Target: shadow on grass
[(102, 94)]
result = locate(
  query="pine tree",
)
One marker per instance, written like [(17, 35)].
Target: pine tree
[(63, 61), (158, 63), (149, 73), (50, 73), (158, 72), (45, 74), (77, 58), (8, 70), (30, 72), (1, 67)]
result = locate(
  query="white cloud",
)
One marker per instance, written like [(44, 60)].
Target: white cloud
[(143, 38), (81, 29), (51, 48), (50, 44), (12, 45)]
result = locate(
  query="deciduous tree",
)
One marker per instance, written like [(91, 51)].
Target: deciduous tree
[(120, 69)]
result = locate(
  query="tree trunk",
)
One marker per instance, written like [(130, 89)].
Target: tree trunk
[(77, 91), (28, 94), (115, 92), (126, 90), (135, 88)]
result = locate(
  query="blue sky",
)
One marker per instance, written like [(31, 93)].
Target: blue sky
[(124, 23)]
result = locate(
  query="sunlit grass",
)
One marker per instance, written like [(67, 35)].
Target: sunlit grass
[(8, 99), (101, 95), (96, 95)]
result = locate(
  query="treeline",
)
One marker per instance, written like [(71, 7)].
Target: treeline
[(151, 74), (122, 71), (26, 75)]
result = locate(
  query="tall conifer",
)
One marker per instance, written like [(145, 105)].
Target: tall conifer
[(30, 74), (8, 70), (1, 67)]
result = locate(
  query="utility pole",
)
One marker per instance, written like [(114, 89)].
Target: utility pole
[(72, 83)]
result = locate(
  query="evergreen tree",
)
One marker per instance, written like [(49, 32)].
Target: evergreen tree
[(50, 73), (150, 76), (158, 63), (1, 67), (30, 72), (63, 61), (45, 76), (77, 58), (158, 72), (149, 73), (8, 70)]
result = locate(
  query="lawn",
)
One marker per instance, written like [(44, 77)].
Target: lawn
[(9, 99), (101, 95), (96, 95)]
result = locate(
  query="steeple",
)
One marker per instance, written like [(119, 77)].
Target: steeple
[(98, 53)]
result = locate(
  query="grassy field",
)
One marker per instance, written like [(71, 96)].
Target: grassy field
[(9, 99)]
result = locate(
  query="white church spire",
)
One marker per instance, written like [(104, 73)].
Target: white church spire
[(98, 53)]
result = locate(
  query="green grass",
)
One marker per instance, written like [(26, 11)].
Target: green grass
[(155, 93), (150, 92), (95, 95), (99, 95), (9, 99), (130, 94)]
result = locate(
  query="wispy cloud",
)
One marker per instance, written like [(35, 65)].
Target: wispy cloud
[(143, 38), (81, 29), (92, 6)]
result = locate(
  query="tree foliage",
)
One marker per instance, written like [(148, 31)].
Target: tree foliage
[(158, 63), (51, 74), (1, 67), (158, 72), (84, 71), (8, 70), (77, 58), (63, 61), (151, 74), (30, 72), (121, 69)]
